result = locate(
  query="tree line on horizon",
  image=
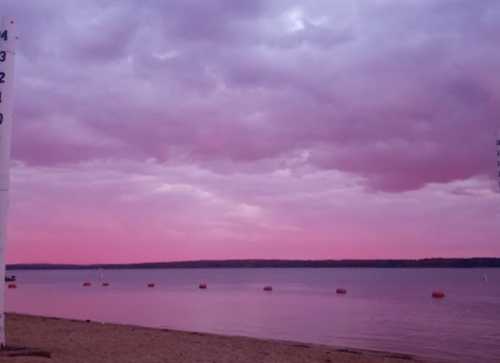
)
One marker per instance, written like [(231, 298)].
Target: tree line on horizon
[(485, 262)]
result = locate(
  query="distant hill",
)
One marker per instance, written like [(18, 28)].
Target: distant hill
[(422, 263)]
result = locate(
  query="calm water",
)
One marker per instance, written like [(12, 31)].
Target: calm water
[(384, 309)]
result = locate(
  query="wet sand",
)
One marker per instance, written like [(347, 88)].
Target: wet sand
[(71, 341)]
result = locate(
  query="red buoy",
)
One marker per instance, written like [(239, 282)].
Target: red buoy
[(105, 284), (341, 291), (202, 286), (268, 288), (12, 286), (86, 284), (151, 284), (438, 294)]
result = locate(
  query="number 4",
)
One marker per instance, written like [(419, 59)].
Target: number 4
[(4, 35)]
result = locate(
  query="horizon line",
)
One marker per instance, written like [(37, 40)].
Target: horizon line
[(260, 260), (249, 263)]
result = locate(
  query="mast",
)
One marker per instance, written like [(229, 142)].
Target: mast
[(7, 40)]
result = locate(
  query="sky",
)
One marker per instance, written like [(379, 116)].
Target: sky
[(177, 130)]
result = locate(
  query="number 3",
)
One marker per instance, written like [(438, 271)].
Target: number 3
[(3, 56)]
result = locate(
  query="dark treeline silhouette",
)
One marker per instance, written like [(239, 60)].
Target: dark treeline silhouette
[(422, 263)]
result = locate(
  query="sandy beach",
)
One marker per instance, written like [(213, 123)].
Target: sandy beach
[(79, 341)]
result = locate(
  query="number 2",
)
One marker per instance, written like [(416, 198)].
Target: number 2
[(2, 76)]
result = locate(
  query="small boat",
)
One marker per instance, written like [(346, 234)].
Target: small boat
[(103, 282), (10, 278)]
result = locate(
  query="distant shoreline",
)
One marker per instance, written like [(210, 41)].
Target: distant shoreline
[(479, 262)]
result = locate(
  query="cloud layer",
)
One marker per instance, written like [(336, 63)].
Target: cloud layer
[(254, 129)]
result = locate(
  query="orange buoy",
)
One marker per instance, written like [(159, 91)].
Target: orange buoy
[(341, 291), (268, 288), (105, 284), (202, 286), (12, 286), (438, 294), (86, 284), (151, 284)]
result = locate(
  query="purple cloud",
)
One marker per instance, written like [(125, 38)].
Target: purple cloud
[(387, 98)]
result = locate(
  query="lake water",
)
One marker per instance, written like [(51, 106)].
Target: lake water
[(384, 309)]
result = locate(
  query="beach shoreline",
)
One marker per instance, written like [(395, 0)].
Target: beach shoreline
[(87, 341)]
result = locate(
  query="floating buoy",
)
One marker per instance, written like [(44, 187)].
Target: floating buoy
[(151, 284), (268, 288), (86, 284), (438, 294), (341, 291), (202, 286), (105, 284), (12, 286)]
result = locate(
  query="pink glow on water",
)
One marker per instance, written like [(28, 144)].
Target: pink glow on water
[(384, 309)]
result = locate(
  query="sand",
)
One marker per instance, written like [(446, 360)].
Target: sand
[(72, 341)]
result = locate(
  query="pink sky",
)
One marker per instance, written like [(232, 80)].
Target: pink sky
[(254, 129)]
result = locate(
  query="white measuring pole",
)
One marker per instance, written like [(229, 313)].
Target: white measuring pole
[(7, 40), (498, 158)]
